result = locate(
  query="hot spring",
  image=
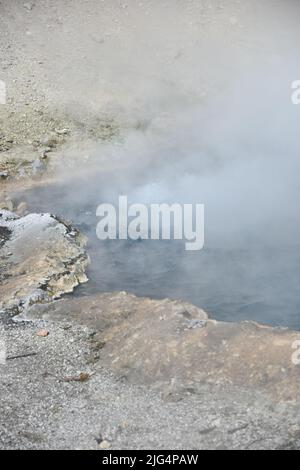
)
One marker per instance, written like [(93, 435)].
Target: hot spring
[(233, 148)]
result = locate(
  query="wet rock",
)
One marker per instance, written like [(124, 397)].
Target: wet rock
[(47, 260)]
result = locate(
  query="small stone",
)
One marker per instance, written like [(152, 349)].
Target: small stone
[(105, 445), (45, 153), (3, 175), (29, 6), (61, 131), (294, 431), (193, 324), (83, 377), (43, 333)]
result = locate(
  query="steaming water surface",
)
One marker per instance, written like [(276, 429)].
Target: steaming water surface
[(244, 280)]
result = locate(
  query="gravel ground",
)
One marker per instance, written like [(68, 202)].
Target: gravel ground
[(44, 406)]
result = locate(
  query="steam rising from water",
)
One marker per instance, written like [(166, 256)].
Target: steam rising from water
[(220, 129)]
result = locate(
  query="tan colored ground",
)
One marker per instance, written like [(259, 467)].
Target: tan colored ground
[(173, 343)]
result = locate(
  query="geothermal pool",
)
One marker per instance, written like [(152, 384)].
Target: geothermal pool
[(249, 279)]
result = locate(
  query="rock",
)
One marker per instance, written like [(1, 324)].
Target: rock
[(42, 333), (196, 324), (4, 175), (83, 377), (29, 6), (294, 431), (4, 236), (45, 152), (62, 131), (105, 445), (51, 254)]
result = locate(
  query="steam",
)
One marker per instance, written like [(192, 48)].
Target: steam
[(202, 94)]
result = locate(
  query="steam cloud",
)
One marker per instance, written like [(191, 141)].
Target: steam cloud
[(204, 103)]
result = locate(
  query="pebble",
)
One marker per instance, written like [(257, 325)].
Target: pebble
[(62, 131), (29, 6), (196, 324), (105, 445), (43, 333), (45, 152), (294, 431)]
